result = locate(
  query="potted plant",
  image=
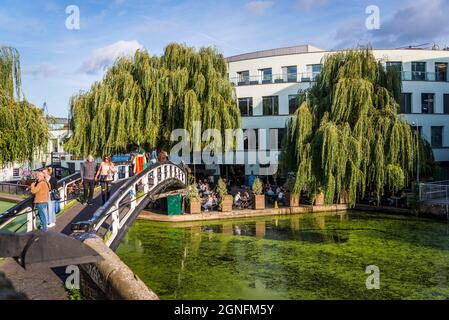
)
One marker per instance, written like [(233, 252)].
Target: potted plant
[(291, 197), (319, 198), (224, 198), (193, 200), (259, 197), (344, 197)]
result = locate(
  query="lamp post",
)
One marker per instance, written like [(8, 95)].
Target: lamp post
[(415, 123)]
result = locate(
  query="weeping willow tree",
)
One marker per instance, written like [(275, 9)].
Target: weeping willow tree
[(142, 99), (23, 127), (346, 134)]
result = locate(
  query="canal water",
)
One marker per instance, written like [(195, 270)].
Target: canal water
[(5, 205), (322, 256)]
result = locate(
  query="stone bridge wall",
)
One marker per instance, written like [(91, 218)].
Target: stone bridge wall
[(111, 278)]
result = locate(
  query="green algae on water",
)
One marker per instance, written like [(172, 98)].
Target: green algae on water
[(321, 256)]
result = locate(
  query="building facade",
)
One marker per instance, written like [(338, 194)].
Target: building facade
[(59, 131), (267, 83)]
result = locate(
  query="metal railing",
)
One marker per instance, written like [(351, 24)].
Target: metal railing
[(110, 221), (434, 192), (423, 76), (275, 78), (69, 190), (14, 188)]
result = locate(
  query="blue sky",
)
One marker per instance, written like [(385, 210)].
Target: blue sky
[(58, 62)]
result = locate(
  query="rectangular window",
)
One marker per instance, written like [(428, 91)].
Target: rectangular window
[(292, 103), (436, 139), (313, 70), (270, 105), (418, 71), (16, 172), (427, 102), (406, 103), (290, 74), (243, 77), (254, 144), (440, 71), (266, 75), (446, 103), (54, 143), (246, 106), (394, 66), (281, 134)]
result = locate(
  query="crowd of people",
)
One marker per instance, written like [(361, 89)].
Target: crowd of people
[(242, 199), (275, 193), (45, 186)]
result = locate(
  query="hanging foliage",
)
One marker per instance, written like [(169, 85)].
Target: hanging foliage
[(23, 127), (346, 134), (141, 100)]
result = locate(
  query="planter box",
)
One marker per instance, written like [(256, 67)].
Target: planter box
[(259, 202), (344, 198), (227, 204), (319, 199), (292, 199), (194, 206)]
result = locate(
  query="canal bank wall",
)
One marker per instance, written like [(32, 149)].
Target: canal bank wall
[(111, 278), (237, 214), (423, 212)]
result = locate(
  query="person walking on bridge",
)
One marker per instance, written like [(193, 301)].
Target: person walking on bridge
[(106, 174), (41, 190), (53, 201), (88, 171)]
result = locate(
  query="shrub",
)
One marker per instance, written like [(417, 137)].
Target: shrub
[(257, 186)]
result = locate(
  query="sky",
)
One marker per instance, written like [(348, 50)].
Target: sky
[(59, 59)]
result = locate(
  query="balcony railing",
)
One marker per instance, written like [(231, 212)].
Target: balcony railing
[(424, 76), (275, 78)]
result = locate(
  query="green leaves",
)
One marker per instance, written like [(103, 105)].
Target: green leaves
[(23, 127), (347, 136), (141, 100)]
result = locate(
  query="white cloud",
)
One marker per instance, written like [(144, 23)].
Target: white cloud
[(102, 58), (45, 70), (423, 22), (258, 7), (307, 5)]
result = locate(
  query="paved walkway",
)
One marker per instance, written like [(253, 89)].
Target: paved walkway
[(48, 284)]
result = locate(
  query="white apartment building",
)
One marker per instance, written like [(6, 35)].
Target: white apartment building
[(267, 83)]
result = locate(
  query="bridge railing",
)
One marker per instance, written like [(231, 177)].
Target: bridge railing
[(434, 192), (69, 190), (110, 219)]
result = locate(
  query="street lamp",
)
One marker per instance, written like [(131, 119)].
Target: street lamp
[(417, 150)]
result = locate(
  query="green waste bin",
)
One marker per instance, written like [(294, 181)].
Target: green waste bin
[(174, 205)]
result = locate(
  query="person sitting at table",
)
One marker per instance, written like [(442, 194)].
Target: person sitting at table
[(237, 199), (209, 203), (281, 197), (270, 194), (215, 199), (206, 190)]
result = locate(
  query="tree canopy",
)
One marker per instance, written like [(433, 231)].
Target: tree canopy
[(347, 135), (142, 99), (23, 127)]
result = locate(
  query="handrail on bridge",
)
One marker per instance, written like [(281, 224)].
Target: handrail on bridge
[(108, 221)]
